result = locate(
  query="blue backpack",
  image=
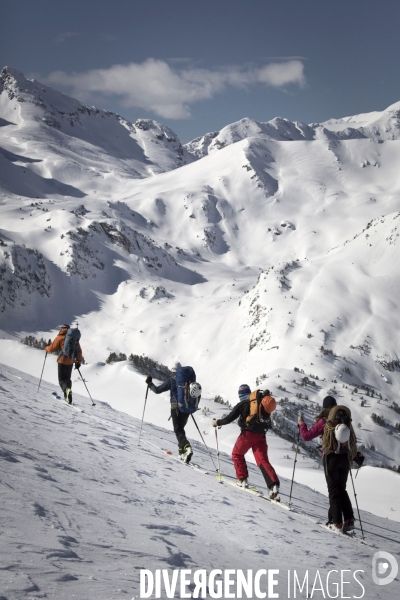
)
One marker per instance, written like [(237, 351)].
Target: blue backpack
[(71, 343), (186, 404)]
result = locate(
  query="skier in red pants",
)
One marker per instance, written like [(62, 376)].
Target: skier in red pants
[(253, 411)]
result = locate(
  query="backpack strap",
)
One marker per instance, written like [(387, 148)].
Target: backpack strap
[(253, 409), (62, 335)]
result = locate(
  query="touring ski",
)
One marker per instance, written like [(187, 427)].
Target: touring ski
[(190, 464), (58, 397), (352, 535), (254, 491)]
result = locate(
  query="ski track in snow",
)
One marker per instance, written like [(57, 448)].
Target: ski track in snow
[(84, 508)]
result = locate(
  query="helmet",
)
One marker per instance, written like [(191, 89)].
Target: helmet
[(342, 433), (268, 403), (195, 390)]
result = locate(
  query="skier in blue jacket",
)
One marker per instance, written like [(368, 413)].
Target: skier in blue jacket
[(179, 419)]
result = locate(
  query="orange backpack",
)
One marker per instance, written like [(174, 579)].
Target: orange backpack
[(261, 407)]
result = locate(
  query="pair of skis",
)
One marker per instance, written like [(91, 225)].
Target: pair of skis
[(189, 464), (253, 490), (74, 406), (352, 535)]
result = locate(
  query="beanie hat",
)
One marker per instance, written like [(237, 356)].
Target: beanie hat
[(244, 391), (329, 402)]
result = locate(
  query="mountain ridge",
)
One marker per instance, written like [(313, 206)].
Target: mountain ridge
[(384, 125)]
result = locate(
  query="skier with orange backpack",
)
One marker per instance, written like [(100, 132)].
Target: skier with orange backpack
[(66, 345), (254, 413)]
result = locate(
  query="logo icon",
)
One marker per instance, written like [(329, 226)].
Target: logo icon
[(381, 563)]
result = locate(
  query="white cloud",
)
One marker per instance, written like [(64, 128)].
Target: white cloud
[(154, 86), (280, 74)]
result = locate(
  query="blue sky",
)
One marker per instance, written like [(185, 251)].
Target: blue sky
[(198, 65)]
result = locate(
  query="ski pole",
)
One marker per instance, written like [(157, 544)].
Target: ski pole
[(144, 408), (294, 467), (219, 465), (84, 383), (204, 442), (355, 496), (40, 381)]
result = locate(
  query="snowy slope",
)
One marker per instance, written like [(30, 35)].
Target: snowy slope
[(85, 508), (276, 253), (383, 125), (122, 386)]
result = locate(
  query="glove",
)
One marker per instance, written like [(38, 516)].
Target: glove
[(77, 365), (149, 379), (359, 459), (214, 422)]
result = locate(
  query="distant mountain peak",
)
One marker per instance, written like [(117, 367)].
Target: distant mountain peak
[(73, 132), (375, 125)]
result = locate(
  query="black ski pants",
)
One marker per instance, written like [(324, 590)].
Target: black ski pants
[(337, 467), (179, 421), (64, 376)]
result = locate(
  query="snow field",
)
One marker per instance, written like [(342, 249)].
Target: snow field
[(86, 509), (124, 389)]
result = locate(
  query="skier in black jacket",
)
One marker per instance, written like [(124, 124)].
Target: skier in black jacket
[(179, 419), (252, 436)]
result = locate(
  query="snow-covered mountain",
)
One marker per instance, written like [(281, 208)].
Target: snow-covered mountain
[(272, 261), (82, 144), (85, 509), (384, 125)]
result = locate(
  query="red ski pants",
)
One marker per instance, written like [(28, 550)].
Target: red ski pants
[(258, 443)]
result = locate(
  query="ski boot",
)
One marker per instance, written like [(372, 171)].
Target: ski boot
[(243, 483), (186, 453), (273, 491), (348, 525), (336, 527)]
